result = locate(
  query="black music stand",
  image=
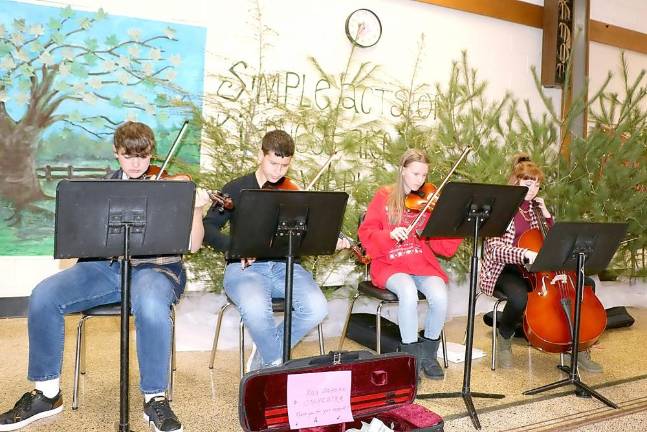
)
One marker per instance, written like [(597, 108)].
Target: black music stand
[(116, 218), (472, 210), (581, 247), (283, 224)]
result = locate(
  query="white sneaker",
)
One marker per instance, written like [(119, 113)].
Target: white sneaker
[(254, 361)]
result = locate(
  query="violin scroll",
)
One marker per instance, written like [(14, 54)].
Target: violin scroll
[(356, 250), (359, 255)]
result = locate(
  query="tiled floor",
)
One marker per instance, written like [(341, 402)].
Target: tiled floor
[(207, 400)]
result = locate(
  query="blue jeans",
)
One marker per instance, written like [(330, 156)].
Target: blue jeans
[(406, 287), (252, 290), (93, 283)]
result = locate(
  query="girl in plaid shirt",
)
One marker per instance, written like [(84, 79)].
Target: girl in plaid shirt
[(500, 271)]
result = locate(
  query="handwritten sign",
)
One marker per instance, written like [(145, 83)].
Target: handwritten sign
[(319, 399)]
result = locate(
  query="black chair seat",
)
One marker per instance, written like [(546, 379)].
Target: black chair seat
[(104, 310), (499, 295), (367, 288)]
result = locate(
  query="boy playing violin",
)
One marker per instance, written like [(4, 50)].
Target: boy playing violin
[(405, 264), (252, 283), (156, 283)]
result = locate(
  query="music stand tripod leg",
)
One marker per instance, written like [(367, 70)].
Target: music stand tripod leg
[(469, 404), (585, 388), (547, 387)]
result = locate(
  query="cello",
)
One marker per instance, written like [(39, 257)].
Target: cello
[(548, 318)]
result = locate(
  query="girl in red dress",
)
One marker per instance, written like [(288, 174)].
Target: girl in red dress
[(405, 264)]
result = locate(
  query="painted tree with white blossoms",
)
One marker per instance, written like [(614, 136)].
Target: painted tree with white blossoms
[(58, 72)]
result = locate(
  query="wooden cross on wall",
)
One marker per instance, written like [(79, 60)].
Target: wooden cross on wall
[(566, 39)]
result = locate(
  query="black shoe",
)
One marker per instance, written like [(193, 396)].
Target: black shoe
[(30, 407), (159, 415)]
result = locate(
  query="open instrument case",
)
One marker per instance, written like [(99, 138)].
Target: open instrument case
[(382, 386)]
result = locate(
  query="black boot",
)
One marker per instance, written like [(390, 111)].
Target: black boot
[(430, 365), (415, 349)]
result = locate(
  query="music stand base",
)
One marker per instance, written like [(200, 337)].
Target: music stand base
[(580, 389), (467, 398)]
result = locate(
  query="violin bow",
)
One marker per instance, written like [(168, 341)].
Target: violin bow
[(353, 244), (322, 169), (173, 148)]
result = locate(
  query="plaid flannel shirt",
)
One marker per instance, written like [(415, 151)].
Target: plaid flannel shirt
[(499, 251)]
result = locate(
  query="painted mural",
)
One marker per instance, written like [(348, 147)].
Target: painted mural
[(67, 79)]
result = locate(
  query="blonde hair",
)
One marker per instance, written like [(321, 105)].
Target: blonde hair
[(395, 201), (522, 167)]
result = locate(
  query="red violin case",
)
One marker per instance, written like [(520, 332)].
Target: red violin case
[(382, 386)]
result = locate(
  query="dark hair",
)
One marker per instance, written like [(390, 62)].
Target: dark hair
[(136, 139), (521, 158), (279, 142)]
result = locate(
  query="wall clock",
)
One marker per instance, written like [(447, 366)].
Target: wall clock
[(363, 28)]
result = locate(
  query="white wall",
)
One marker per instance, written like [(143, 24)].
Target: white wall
[(630, 14), (502, 52)]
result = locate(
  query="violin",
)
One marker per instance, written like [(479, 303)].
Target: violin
[(220, 200), (286, 183), (156, 173), (355, 248), (426, 199), (417, 200)]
